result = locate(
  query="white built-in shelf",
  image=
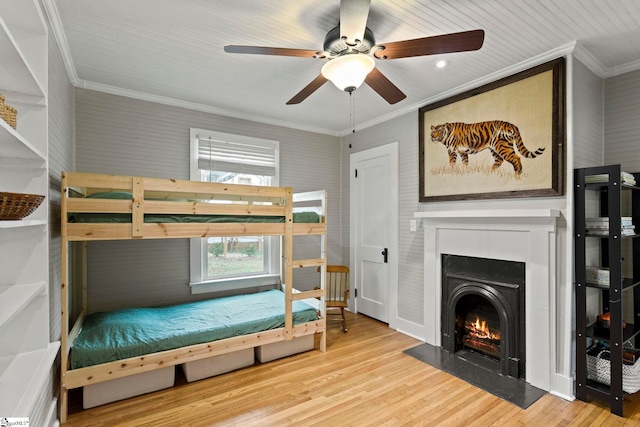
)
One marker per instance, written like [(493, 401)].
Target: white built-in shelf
[(7, 163), (27, 361), (15, 298), (22, 223), (15, 72), (15, 146), (22, 377)]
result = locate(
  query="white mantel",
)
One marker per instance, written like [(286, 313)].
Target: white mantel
[(483, 214), (523, 235)]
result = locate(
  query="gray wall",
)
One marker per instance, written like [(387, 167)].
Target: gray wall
[(126, 136), (585, 120), (118, 135), (61, 154), (622, 121), (588, 120), (61, 106), (622, 143), (588, 129), (403, 130)]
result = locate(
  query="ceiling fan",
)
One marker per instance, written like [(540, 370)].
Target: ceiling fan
[(350, 49)]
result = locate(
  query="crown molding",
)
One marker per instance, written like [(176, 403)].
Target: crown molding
[(563, 50), (622, 69), (579, 52), (584, 56), (51, 10), (143, 96), (57, 29), (590, 61)]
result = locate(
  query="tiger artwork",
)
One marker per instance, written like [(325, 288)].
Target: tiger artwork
[(470, 138)]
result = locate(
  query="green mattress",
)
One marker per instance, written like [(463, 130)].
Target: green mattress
[(121, 334), (298, 217), (94, 218)]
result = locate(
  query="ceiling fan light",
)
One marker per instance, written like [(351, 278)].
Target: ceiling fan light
[(348, 72)]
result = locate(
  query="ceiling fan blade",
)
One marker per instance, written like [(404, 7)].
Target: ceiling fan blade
[(353, 19), (280, 51), (378, 82), (307, 90), (446, 43)]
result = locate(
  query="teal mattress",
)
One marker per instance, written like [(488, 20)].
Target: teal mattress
[(298, 217), (120, 334)]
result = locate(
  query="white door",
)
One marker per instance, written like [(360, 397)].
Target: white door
[(374, 208)]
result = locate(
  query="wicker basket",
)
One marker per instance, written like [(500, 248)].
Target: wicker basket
[(15, 206), (2, 106), (599, 369), (10, 115)]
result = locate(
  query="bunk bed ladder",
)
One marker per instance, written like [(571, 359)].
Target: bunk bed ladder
[(309, 263)]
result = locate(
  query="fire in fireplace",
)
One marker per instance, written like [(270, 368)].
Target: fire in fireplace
[(481, 333), (483, 311)]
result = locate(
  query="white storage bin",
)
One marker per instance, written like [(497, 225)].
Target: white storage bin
[(216, 365), (599, 369), (276, 350), (125, 387)]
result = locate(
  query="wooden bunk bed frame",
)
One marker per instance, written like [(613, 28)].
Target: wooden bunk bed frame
[(167, 196)]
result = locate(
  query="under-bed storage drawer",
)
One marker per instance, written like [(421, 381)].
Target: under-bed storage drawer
[(276, 350), (125, 387), (216, 365)]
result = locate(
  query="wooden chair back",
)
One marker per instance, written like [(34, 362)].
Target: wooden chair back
[(337, 290)]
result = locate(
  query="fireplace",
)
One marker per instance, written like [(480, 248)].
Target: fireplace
[(535, 237), (483, 312)]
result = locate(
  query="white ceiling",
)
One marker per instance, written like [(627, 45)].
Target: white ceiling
[(171, 51)]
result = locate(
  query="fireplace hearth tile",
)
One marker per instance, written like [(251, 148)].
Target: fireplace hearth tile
[(516, 391)]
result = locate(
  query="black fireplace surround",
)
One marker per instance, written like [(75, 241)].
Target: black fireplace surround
[(496, 282)]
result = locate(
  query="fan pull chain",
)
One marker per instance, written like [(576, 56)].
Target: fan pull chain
[(210, 160), (352, 112)]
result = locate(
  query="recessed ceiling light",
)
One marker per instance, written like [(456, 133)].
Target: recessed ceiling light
[(442, 63)]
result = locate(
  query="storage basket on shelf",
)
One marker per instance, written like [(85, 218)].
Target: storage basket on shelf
[(599, 369), (10, 116), (2, 106), (8, 113), (15, 206)]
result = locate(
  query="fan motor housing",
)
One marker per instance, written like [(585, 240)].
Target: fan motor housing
[(336, 46)]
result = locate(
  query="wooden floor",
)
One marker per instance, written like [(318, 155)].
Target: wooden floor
[(363, 379)]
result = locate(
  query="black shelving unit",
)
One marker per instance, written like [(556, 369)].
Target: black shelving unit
[(617, 291)]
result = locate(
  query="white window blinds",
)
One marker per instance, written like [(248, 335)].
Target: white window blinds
[(237, 154)]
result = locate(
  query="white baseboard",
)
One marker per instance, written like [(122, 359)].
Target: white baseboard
[(409, 328), (562, 387), (52, 414)]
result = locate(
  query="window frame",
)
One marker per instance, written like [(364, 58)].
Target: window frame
[(198, 278)]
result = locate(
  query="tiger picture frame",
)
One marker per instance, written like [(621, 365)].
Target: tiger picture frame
[(505, 139)]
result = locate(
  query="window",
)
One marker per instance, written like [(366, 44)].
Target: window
[(222, 263)]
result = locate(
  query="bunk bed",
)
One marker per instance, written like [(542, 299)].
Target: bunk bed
[(111, 207)]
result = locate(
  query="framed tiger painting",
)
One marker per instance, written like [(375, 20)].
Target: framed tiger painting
[(502, 140)]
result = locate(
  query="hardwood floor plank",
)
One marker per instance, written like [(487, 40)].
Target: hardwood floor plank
[(496, 415), (363, 379)]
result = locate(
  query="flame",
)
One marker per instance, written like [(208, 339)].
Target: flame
[(480, 330)]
